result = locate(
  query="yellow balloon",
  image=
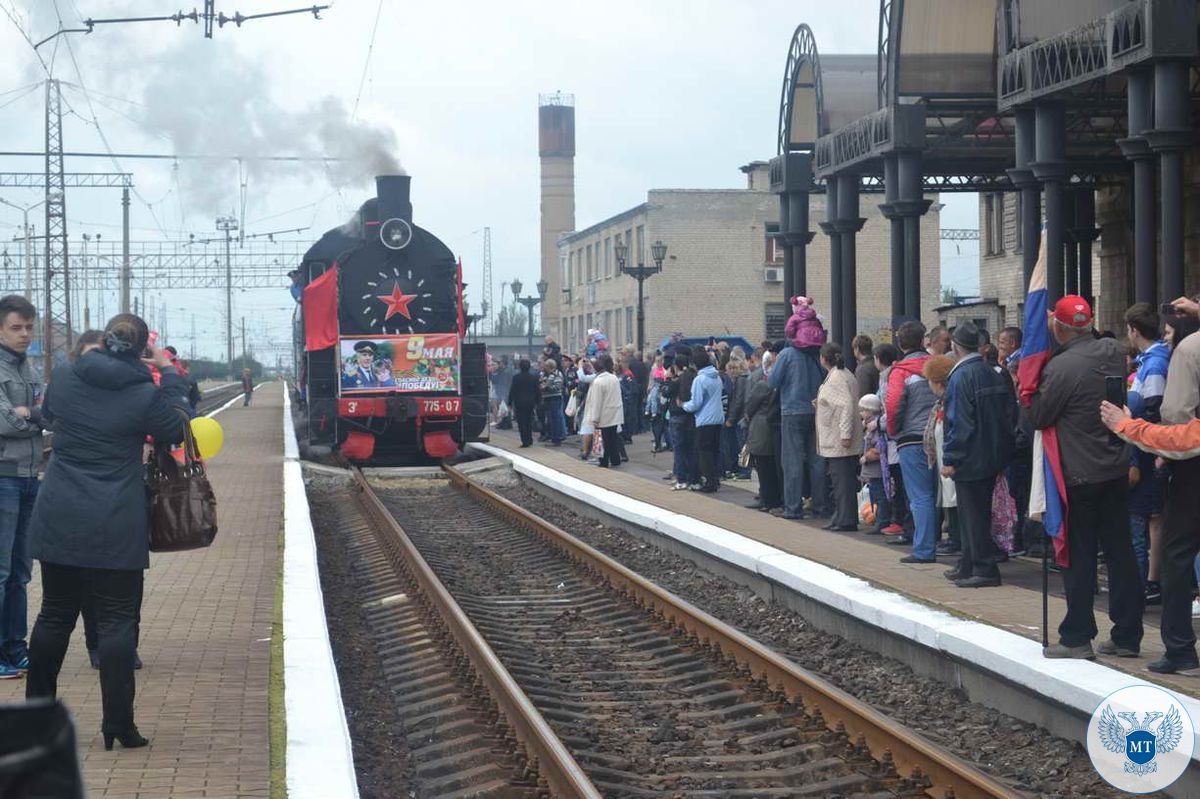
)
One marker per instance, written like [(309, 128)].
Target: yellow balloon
[(209, 436)]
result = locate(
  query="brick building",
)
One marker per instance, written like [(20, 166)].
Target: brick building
[(723, 270)]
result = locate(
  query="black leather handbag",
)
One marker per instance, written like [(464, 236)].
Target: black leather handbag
[(183, 507)]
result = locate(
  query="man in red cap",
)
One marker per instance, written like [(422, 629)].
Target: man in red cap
[(1096, 471)]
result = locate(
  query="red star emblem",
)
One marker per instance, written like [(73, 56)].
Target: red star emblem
[(397, 302)]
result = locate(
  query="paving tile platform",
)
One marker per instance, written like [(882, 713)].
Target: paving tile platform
[(205, 639), (1016, 606)]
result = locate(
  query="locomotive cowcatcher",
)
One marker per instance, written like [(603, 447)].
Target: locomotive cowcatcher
[(385, 373)]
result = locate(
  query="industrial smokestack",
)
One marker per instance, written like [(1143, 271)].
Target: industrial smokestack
[(556, 147), (392, 191)]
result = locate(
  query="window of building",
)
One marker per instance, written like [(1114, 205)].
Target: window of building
[(990, 236), (589, 322), (608, 258), (607, 323), (629, 323), (774, 246), (1018, 240), (776, 319), (641, 244), (591, 265), (616, 334), (999, 223)]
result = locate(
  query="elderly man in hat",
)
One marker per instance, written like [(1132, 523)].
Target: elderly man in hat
[(1095, 468), (978, 427), (360, 373)]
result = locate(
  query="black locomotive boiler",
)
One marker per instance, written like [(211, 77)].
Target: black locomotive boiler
[(384, 370)]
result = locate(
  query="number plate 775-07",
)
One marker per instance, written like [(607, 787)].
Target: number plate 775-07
[(440, 406)]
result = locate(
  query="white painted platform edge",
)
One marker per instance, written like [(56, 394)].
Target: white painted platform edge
[(1078, 684), (320, 761)]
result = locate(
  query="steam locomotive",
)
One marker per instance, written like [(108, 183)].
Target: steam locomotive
[(384, 372)]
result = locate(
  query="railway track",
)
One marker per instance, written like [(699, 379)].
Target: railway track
[(603, 684)]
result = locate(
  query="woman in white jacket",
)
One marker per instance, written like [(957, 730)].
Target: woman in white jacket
[(839, 435), (605, 410)]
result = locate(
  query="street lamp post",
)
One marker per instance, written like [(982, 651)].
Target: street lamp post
[(530, 303), (658, 251)]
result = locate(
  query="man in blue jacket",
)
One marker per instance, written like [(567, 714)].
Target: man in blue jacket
[(978, 426), (1147, 488), (797, 376), (705, 403)]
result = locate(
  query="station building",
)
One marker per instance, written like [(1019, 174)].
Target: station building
[(723, 272)]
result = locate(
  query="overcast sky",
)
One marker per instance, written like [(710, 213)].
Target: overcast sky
[(668, 94)]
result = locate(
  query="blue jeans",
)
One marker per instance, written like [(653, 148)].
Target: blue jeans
[(800, 456), (1139, 527), (919, 484), (683, 442), (556, 422), (883, 506), (17, 495)]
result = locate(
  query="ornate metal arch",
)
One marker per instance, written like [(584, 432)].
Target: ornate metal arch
[(890, 11), (803, 50)]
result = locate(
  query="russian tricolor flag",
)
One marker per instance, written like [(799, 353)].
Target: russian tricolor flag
[(1048, 491)]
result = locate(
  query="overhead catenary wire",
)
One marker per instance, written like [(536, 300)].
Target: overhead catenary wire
[(367, 61)]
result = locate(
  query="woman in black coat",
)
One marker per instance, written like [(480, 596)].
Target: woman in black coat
[(762, 410), (90, 526)]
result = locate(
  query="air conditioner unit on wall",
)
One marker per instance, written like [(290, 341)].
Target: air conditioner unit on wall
[(773, 274)]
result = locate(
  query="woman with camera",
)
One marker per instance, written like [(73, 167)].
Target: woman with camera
[(90, 527)]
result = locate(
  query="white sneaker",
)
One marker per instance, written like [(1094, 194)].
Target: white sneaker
[(1195, 608), (679, 487)]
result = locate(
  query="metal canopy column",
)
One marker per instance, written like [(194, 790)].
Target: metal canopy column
[(1139, 96), (911, 206), (891, 186), (1085, 233), (1071, 244), (1023, 178), (830, 228), (789, 286), (791, 179), (1171, 134), (798, 239), (848, 224), (1051, 169)]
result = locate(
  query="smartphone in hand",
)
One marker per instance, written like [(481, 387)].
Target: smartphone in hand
[(1115, 389)]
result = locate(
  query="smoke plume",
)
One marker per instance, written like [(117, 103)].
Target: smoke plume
[(210, 104)]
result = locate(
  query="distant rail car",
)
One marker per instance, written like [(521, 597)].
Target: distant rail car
[(384, 372)]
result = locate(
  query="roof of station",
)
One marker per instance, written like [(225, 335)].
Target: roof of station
[(946, 76)]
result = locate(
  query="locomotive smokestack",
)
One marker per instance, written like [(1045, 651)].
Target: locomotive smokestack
[(392, 191), (556, 148)]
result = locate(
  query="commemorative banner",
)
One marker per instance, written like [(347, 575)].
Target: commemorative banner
[(381, 364)]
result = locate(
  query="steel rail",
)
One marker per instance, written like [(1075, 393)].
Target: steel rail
[(942, 773), (548, 756)]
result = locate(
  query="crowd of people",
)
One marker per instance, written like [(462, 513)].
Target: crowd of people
[(929, 441)]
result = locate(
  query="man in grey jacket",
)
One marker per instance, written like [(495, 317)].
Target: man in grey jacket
[(20, 457), (1096, 472)]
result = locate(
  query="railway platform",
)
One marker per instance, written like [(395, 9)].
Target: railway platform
[(206, 697), (995, 630)]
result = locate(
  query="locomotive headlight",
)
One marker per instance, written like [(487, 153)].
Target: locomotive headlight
[(395, 233)]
